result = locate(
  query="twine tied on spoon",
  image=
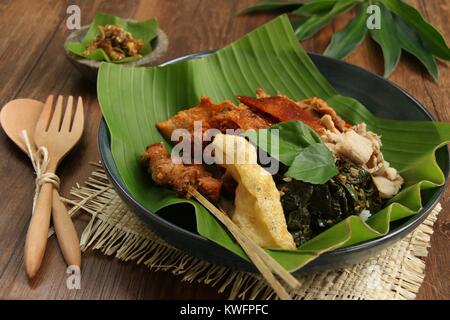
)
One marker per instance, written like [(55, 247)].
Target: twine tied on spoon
[(40, 161)]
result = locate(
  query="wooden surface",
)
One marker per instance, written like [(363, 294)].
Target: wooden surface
[(32, 65)]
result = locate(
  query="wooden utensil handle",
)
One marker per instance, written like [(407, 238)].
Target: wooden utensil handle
[(65, 232), (37, 234)]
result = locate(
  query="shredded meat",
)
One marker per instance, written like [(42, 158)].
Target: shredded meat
[(328, 123), (388, 182), (351, 146), (321, 108), (363, 148), (180, 177)]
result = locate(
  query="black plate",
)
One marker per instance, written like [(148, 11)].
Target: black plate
[(377, 94)]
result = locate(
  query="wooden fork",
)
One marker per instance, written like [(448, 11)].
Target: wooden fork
[(58, 133)]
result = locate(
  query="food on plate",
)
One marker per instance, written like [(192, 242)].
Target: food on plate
[(117, 43), (279, 210)]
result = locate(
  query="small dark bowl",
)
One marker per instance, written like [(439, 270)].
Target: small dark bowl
[(374, 92), (89, 68)]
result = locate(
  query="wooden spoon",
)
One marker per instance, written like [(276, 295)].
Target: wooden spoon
[(23, 114)]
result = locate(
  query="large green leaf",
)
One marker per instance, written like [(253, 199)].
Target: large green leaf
[(273, 5), (134, 99), (314, 23), (411, 42), (433, 40), (387, 38), (145, 30), (313, 7), (346, 40)]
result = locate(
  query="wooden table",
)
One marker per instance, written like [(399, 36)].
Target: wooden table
[(33, 65)]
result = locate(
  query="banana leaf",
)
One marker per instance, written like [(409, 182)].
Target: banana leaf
[(145, 30), (133, 100)]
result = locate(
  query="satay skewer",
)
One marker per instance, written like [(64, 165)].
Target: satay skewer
[(261, 259)]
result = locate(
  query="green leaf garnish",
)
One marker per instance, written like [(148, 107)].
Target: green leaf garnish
[(293, 137), (299, 148), (145, 30), (402, 27), (315, 164)]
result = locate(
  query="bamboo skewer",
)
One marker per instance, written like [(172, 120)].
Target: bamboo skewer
[(261, 259)]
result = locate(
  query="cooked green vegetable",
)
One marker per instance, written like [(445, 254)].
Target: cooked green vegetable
[(311, 209)]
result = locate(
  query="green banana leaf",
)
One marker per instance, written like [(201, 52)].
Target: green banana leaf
[(145, 30), (133, 100)]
